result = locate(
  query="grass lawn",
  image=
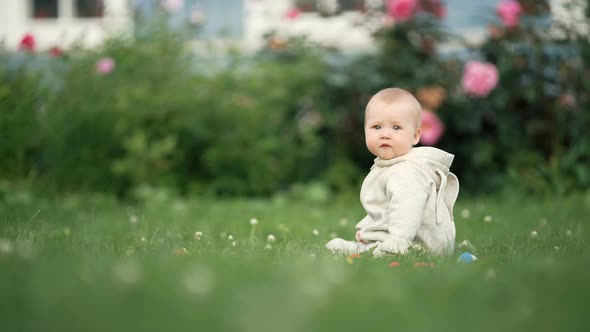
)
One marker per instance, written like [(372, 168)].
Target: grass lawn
[(90, 263)]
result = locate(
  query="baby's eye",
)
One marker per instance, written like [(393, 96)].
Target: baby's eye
[(397, 127), (377, 127)]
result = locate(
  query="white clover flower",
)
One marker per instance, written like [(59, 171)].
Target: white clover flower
[(230, 237), (271, 238), (234, 243), (465, 213), (534, 234), (343, 221), (198, 235), (333, 235), (556, 248), (316, 232), (464, 243), (487, 219), (569, 233), (253, 221), (143, 239), (267, 247), (133, 219)]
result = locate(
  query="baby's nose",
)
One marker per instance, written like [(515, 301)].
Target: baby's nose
[(385, 132)]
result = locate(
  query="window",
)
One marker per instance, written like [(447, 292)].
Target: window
[(44, 8), (89, 8)]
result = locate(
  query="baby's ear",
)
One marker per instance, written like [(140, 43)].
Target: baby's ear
[(417, 135)]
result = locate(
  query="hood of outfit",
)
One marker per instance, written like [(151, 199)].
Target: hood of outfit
[(409, 200)]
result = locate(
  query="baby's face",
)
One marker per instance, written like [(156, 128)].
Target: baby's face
[(390, 130)]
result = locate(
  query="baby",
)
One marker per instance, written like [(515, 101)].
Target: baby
[(409, 193)]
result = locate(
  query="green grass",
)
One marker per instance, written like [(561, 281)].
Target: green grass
[(81, 263)]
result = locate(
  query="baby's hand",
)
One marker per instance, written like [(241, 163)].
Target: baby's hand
[(357, 236)]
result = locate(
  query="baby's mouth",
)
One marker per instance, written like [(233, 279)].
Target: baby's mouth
[(384, 146)]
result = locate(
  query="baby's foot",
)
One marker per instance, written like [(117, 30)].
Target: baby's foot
[(348, 247)]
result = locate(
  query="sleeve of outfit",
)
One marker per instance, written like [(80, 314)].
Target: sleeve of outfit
[(365, 222), (407, 197)]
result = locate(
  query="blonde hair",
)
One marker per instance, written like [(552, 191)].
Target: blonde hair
[(391, 96)]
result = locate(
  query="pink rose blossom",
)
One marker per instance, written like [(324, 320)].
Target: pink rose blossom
[(172, 6), (402, 10), (509, 11), (440, 11), (292, 13), (27, 43), (105, 66), (55, 52), (479, 78), (432, 128), (435, 7)]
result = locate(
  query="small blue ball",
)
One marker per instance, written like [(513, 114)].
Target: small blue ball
[(467, 258)]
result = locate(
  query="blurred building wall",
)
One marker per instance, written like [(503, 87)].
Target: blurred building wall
[(17, 19)]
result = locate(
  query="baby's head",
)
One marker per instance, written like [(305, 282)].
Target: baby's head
[(392, 123)]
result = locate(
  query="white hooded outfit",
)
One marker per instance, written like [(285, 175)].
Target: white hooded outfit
[(409, 200)]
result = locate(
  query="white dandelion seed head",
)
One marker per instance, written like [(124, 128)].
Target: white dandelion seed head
[(230, 237), (556, 248), (267, 247), (233, 244), (253, 221), (534, 234), (316, 232), (271, 238), (465, 213), (569, 233), (198, 235), (133, 219), (143, 239), (487, 219)]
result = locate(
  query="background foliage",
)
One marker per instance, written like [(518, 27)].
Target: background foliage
[(291, 113)]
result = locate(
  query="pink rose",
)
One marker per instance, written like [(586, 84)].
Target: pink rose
[(509, 11), (435, 7), (105, 66), (432, 128), (292, 13), (479, 78), (27, 43), (402, 10), (55, 52)]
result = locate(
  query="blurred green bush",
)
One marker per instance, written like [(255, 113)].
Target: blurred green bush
[(143, 110)]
